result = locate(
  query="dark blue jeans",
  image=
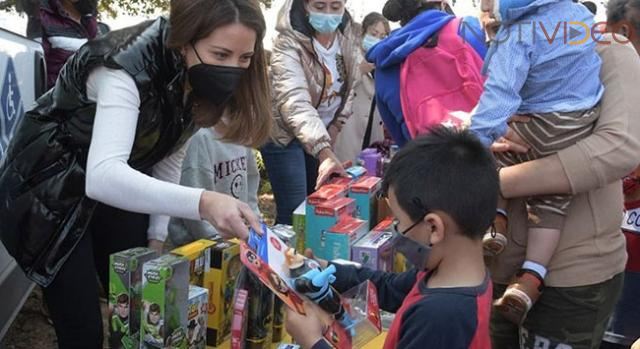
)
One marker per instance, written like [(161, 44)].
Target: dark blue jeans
[(293, 175)]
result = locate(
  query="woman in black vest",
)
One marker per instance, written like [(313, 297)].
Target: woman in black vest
[(88, 171)]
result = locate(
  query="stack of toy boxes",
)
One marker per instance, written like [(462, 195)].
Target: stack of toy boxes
[(374, 251), (198, 253), (399, 261), (365, 193), (336, 242), (315, 223), (125, 296), (164, 298), (197, 315), (324, 216), (220, 281)]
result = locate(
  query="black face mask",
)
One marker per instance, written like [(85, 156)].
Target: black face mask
[(85, 7), (213, 82)]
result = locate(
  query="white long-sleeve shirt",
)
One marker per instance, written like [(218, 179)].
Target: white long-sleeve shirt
[(110, 179)]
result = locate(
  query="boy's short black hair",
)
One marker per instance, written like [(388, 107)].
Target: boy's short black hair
[(450, 171), (154, 308)]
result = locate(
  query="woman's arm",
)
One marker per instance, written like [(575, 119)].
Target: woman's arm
[(609, 153), (112, 181), (292, 98)]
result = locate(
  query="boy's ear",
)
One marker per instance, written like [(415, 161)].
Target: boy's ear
[(436, 226)]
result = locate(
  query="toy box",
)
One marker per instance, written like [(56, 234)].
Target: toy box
[(326, 193), (374, 251), (197, 317), (198, 253), (355, 172), (365, 193), (342, 181), (361, 303), (239, 322), (277, 266), (399, 261), (260, 314), (220, 281), (164, 298), (125, 296), (336, 242), (324, 216), (299, 225)]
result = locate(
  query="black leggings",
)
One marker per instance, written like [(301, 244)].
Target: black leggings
[(72, 297)]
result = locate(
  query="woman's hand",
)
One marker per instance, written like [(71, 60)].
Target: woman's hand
[(228, 215), (636, 345), (329, 164), (512, 142), (306, 330)]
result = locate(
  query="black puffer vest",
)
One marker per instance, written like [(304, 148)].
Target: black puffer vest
[(44, 211)]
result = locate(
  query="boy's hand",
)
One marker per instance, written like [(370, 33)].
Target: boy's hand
[(306, 330), (512, 142)]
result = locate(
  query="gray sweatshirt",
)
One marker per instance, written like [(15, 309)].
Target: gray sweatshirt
[(216, 166)]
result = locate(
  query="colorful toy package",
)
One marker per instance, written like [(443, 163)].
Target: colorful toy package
[(220, 280), (374, 251), (365, 193), (324, 216), (361, 303), (240, 317), (125, 296), (164, 299), (326, 193), (198, 253), (299, 225), (336, 242), (260, 314), (197, 313), (291, 277)]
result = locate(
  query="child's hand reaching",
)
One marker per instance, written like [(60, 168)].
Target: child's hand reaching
[(306, 330), (511, 142)]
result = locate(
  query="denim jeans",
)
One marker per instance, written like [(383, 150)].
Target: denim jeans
[(293, 175)]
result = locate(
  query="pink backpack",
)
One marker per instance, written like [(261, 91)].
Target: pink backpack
[(441, 84)]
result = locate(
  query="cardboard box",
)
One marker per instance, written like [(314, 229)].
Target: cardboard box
[(336, 242), (361, 303), (399, 261), (324, 216), (220, 281), (198, 253), (164, 298), (299, 225), (356, 172), (374, 251), (125, 296), (365, 193), (240, 317), (197, 314)]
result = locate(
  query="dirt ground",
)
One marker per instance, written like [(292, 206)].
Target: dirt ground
[(32, 329)]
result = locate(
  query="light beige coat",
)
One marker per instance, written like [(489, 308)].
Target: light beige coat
[(297, 79)]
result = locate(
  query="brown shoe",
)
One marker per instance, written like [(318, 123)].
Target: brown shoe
[(495, 240), (520, 296)]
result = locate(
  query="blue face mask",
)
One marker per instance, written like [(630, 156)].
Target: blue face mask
[(324, 23), (369, 41)]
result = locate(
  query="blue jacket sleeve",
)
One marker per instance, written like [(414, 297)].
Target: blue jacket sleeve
[(441, 320), (508, 63), (392, 287)]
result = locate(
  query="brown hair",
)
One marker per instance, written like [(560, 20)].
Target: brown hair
[(123, 298), (372, 19), (250, 108)]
